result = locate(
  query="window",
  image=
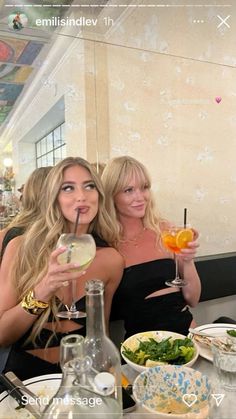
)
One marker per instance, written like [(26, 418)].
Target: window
[(51, 148)]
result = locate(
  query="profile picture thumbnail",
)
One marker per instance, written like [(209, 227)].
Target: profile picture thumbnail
[(17, 21)]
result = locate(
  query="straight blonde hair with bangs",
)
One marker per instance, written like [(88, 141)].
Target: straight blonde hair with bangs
[(31, 262), (115, 178)]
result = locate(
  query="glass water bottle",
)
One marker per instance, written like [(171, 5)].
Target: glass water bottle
[(67, 402), (91, 369), (105, 373)]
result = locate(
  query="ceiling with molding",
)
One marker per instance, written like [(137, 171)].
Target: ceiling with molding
[(22, 51), (24, 48)]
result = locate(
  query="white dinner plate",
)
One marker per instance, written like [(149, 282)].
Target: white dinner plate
[(44, 386), (214, 329)]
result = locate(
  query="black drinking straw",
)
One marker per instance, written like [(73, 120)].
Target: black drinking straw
[(76, 222), (69, 253), (185, 217)]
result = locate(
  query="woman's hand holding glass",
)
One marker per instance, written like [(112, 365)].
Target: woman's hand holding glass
[(189, 253), (57, 276), (79, 249), (182, 242)]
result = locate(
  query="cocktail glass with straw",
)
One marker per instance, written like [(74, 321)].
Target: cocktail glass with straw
[(80, 249), (174, 239)]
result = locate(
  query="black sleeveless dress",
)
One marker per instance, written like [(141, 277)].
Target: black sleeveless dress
[(140, 314), (26, 365)]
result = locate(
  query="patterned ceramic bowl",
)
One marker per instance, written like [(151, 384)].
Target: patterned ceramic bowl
[(173, 392), (132, 343)]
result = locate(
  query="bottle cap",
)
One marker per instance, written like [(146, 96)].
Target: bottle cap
[(104, 382)]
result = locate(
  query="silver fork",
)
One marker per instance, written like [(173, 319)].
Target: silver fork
[(199, 333)]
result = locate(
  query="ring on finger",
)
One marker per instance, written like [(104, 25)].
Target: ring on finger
[(65, 283)]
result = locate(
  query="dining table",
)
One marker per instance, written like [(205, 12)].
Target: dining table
[(222, 402)]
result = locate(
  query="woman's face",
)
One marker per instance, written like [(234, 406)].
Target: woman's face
[(132, 200), (78, 191)]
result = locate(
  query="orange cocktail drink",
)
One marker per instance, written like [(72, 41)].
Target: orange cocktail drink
[(177, 238)]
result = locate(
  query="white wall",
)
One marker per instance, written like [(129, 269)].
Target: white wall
[(148, 89)]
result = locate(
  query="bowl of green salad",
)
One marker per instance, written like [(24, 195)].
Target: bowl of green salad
[(149, 349)]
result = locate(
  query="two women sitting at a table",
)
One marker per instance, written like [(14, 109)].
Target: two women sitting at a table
[(31, 273), (33, 284)]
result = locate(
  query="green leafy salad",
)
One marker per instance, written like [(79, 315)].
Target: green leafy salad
[(169, 351), (231, 332)]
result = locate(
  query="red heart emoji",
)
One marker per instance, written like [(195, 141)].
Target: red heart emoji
[(218, 99)]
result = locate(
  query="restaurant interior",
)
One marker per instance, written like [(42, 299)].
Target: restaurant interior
[(150, 81)]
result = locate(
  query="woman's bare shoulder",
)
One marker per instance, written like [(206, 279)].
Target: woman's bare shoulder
[(111, 255), (15, 242), (12, 247)]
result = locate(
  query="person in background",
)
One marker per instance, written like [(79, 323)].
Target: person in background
[(21, 189), (31, 195), (143, 300), (2, 207), (34, 286)]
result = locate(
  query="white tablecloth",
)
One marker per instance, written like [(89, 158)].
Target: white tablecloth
[(226, 409)]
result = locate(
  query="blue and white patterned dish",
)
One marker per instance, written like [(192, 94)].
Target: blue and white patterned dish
[(174, 392)]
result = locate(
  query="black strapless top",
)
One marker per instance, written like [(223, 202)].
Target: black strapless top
[(26, 365), (164, 312)]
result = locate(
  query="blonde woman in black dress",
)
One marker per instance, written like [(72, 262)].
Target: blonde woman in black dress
[(143, 300)]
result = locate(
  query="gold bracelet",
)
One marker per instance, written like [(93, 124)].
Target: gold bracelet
[(33, 306)]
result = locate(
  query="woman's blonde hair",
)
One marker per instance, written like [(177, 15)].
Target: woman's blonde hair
[(115, 178), (31, 262), (99, 167), (32, 193)]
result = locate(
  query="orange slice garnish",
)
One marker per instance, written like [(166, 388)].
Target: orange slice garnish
[(169, 241), (183, 237)]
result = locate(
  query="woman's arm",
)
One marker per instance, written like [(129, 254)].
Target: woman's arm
[(14, 320), (192, 290), (187, 269)]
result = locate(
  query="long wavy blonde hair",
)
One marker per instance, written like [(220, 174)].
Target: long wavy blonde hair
[(40, 240), (115, 178), (33, 190)]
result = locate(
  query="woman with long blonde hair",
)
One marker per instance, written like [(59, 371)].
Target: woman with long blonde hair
[(37, 284), (32, 193), (143, 300)]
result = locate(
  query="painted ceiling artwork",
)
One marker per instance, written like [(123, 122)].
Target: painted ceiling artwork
[(16, 59), (21, 41)]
